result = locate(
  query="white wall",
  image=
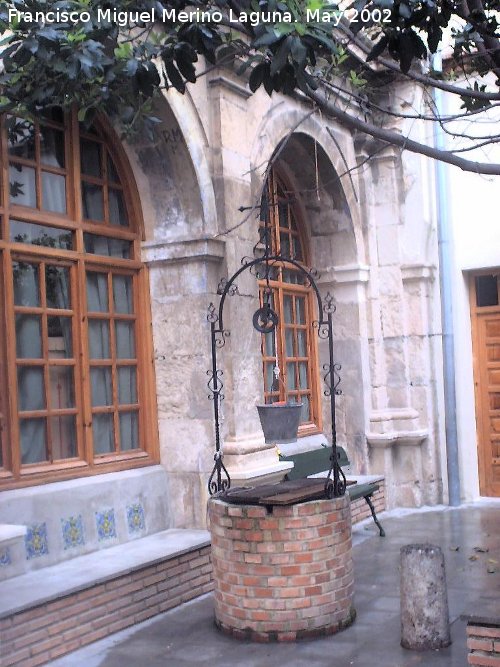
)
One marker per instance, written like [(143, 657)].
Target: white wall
[(475, 225)]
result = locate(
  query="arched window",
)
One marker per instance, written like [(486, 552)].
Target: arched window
[(292, 348), (74, 348)]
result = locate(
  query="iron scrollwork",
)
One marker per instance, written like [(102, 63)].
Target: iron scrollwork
[(265, 320)]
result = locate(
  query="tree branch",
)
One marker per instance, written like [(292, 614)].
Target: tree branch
[(396, 139), (421, 78)]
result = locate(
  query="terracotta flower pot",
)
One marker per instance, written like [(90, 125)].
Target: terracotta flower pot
[(280, 421)]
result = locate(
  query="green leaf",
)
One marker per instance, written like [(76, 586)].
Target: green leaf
[(378, 49), (257, 76), (281, 57)]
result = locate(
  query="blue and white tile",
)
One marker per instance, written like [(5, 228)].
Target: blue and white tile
[(105, 524), (136, 520), (36, 541), (72, 532), (5, 558)]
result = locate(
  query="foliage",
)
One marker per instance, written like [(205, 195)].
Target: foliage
[(114, 60)]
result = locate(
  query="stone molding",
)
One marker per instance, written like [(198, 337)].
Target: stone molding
[(190, 250), (417, 272), (402, 438), (232, 86), (395, 426), (347, 274)]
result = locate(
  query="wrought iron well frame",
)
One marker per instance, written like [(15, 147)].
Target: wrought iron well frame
[(265, 321)]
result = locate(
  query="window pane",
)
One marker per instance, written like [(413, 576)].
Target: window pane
[(54, 114), (90, 158), (30, 388), (283, 214), (117, 210), (92, 202), (22, 187), (129, 431), (291, 276), (303, 374), (97, 292), (105, 245), (125, 340), (297, 249), (290, 376), (21, 137), (51, 147), (26, 284), (50, 237), (53, 192), (305, 415), (99, 347), (61, 385), (285, 245), (100, 379), (269, 344), (302, 342), (287, 307), (57, 287), (112, 173), (300, 309), (486, 291), (123, 297), (271, 383), (33, 440), (60, 343), (289, 342), (28, 336), (102, 432), (127, 385), (63, 437)]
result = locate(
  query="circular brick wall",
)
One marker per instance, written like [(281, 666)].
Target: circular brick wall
[(284, 575)]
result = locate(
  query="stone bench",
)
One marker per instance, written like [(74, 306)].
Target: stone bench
[(55, 610)]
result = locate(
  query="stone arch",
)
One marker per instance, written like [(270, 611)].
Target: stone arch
[(314, 158), (319, 155), (173, 176)]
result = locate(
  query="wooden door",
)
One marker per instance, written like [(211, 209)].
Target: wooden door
[(485, 310)]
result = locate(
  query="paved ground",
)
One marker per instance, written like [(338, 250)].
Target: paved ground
[(186, 636)]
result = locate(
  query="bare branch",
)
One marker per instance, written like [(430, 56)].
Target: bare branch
[(403, 142), (421, 78)]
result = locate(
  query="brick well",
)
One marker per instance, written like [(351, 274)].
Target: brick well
[(282, 575)]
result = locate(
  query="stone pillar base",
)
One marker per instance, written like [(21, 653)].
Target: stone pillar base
[(283, 575)]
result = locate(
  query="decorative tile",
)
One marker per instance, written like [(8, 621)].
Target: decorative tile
[(35, 541), (72, 532), (5, 557), (135, 518), (106, 526)]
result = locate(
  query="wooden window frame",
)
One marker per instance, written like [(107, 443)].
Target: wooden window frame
[(13, 474), (280, 289)]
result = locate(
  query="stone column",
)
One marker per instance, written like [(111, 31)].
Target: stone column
[(425, 620)]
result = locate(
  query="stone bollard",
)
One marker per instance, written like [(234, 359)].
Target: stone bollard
[(424, 601)]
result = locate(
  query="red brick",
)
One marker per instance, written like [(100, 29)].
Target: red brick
[(483, 631), (67, 647), (46, 645), (36, 660), (17, 658), (480, 644), (483, 660)]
